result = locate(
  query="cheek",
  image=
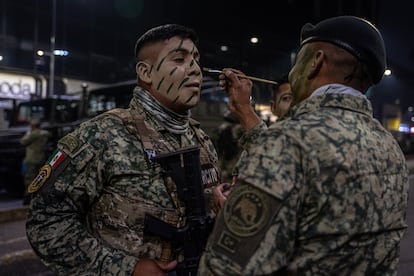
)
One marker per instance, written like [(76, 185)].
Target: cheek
[(169, 82)]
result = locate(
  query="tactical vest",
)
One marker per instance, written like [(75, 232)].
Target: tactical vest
[(153, 144)]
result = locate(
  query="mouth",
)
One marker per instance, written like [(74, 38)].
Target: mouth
[(193, 84)]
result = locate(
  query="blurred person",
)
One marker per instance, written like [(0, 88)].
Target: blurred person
[(34, 142), (228, 148), (91, 197), (324, 191), (281, 97)]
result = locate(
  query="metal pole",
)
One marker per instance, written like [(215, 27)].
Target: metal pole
[(52, 49)]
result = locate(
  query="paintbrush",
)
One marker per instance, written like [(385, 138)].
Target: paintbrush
[(209, 70)]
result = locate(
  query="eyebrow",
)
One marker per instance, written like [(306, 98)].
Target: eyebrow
[(180, 49), (183, 50)]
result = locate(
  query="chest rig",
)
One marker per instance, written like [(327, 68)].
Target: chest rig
[(154, 143)]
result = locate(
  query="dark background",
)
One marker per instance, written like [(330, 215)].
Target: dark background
[(100, 36)]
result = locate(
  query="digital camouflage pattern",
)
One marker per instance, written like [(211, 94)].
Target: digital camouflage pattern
[(87, 217), (323, 192)]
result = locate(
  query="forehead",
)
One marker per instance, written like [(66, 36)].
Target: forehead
[(176, 43), (165, 47), (284, 87)]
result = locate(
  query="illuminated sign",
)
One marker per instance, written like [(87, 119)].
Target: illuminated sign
[(14, 86)]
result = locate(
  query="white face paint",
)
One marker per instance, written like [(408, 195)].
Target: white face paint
[(176, 75)]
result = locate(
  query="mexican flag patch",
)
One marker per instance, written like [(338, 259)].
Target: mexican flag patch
[(56, 158)]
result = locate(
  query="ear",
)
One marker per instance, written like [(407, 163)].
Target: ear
[(143, 70), (316, 66), (272, 105)]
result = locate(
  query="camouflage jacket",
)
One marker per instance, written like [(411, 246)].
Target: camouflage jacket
[(323, 192), (87, 215), (35, 143)]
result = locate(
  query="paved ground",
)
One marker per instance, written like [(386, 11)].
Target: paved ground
[(17, 257)]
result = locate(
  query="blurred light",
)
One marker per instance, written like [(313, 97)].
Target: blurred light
[(224, 48), (387, 72), (403, 128), (56, 52), (1, 58), (254, 40), (60, 53), (292, 58)]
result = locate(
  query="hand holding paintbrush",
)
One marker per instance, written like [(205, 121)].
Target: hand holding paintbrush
[(209, 70), (239, 95)]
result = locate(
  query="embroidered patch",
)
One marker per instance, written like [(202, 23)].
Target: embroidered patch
[(56, 158), (247, 211), (209, 175), (70, 142), (228, 242), (40, 179)]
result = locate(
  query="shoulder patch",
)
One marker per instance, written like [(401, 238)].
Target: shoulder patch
[(56, 163), (40, 179), (243, 223), (56, 158), (70, 143), (247, 211)]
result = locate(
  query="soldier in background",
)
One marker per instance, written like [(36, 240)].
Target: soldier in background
[(35, 146), (228, 147), (324, 191), (281, 97)]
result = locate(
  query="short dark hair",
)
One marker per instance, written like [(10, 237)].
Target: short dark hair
[(162, 33), (281, 80)]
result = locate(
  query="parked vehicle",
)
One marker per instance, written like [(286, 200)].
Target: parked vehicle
[(58, 115)]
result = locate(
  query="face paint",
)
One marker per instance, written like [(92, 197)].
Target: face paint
[(298, 74), (176, 75)]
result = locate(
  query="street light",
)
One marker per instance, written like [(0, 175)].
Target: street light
[(56, 52), (387, 72)]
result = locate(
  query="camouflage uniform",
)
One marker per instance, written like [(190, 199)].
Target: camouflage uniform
[(228, 148), (88, 217), (321, 193)]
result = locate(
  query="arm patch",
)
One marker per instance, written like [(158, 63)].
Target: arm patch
[(243, 223)]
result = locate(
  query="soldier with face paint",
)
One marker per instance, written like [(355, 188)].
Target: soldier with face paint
[(324, 191), (91, 196)]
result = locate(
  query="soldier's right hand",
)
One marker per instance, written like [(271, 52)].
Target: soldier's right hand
[(146, 267), (239, 91)]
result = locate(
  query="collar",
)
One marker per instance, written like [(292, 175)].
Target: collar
[(337, 89), (334, 96)]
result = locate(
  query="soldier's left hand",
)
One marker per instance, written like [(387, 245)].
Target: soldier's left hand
[(220, 194)]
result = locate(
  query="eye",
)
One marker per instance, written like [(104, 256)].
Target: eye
[(287, 98), (178, 59)]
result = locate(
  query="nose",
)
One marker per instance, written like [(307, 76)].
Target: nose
[(194, 68)]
